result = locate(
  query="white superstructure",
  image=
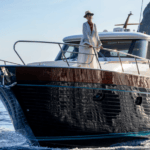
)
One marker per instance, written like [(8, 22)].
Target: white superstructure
[(111, 35), (112, 62)]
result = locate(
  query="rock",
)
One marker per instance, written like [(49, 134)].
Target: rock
[(145, 24)]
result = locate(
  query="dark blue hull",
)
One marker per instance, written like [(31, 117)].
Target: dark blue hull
[(63, 112)]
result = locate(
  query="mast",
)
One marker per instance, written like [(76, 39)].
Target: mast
[(126, 22)]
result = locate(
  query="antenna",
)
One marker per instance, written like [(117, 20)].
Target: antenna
[(141, 12)]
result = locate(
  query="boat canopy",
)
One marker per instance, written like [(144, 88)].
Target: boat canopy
[(111, 35)]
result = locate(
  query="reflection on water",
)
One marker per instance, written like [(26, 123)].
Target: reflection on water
[(10, 140)]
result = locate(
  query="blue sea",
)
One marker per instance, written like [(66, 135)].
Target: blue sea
[(11, 140)]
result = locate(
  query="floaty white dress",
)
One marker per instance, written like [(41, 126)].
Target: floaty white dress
[(90, 38)]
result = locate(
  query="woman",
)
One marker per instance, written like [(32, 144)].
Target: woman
[(90, 39)]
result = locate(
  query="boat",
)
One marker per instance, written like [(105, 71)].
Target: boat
[(58, 104)]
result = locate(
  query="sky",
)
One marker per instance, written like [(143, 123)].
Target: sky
[(52, 20)]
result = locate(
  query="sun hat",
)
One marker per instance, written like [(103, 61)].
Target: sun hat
[(88, 13)]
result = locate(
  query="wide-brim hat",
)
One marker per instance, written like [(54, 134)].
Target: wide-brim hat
[(88, 13)]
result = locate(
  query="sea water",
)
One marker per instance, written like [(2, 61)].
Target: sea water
[(11, 140)]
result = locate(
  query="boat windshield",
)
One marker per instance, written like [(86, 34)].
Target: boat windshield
[(135, 47)]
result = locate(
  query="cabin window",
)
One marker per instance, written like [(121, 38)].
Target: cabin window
[(70, 52), (135, 47)]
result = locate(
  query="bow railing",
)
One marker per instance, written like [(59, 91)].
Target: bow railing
[(5, 62), (63, 52), (95, 53)]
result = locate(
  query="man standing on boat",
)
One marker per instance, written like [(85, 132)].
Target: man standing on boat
[(89, 39)]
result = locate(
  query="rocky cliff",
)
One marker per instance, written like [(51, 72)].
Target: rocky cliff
[(145, 24)]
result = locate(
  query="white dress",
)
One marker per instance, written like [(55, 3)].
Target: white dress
[(90, 38)]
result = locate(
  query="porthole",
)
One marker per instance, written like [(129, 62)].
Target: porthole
[(99, 96), (138, 100)]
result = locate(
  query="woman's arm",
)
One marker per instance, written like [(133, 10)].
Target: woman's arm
[(86, 38), (99, 43)]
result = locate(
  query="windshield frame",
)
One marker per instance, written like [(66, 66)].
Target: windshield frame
[(144, 54)]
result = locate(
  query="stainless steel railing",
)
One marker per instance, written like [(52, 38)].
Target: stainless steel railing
[(70, 44), (5, 62), (134, 56), (95, 53)]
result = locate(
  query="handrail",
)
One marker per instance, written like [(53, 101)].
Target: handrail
[(59, 43), (111, 50), (5, 61), (71, 44)]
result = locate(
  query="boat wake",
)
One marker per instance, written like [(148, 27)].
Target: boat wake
[(9, 138)]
